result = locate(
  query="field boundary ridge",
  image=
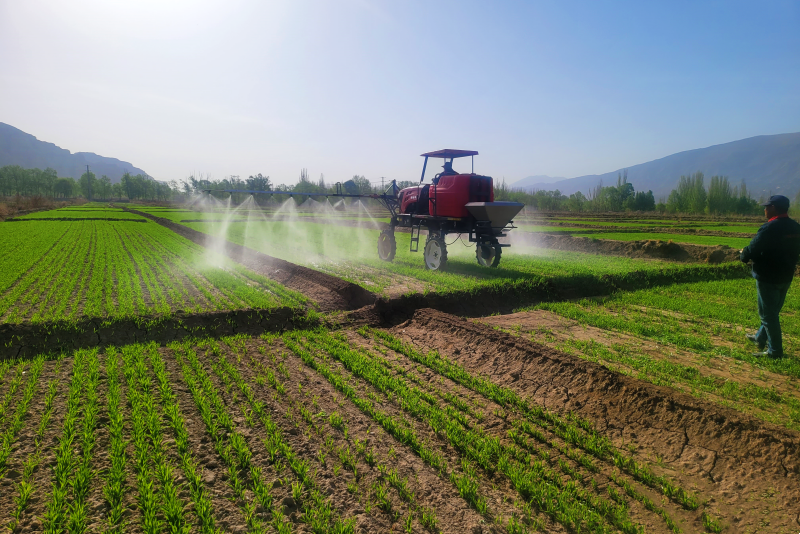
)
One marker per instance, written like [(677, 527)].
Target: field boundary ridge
[(511, 295), (26, 340)]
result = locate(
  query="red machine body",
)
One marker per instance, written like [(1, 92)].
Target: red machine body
[(448, 197)]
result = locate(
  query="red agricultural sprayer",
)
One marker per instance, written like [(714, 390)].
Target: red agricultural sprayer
[(454, 203)]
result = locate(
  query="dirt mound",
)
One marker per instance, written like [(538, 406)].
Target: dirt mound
[(726, 454), (588, 228), (329, 292), (653, 249)]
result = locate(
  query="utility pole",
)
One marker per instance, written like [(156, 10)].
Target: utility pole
[(382, 188)]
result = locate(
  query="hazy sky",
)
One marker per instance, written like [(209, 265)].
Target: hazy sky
[(345, 87)]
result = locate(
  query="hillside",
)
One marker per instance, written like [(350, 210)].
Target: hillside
[(20, 148), (768, 163)]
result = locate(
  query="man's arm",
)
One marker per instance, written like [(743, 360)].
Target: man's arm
[(757, 245)]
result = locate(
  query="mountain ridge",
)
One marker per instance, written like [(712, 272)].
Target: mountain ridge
[(769, 164), (23, 149)]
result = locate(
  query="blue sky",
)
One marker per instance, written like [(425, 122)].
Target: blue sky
[(362, 87)]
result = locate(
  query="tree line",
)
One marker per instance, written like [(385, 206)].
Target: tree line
[(357, 185), (14, 180), (619, 197), (691, 196)]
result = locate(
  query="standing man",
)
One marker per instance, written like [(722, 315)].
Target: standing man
[(775, 251)]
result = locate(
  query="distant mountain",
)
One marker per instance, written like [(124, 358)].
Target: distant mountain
[(20, 148), (538, 180), (769, 164)]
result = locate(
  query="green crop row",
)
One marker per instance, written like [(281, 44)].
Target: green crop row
[(704, 321), (572, 430), (108, 269), (541, 486)]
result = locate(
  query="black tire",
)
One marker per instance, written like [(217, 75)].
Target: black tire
[(488, 255), (387, 245), (435, 253)]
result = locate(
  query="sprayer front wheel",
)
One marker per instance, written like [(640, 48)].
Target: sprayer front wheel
[(387, 245), (435, 254), (488, 255)]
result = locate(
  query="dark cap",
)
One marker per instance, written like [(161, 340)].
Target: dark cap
[(779, 201)]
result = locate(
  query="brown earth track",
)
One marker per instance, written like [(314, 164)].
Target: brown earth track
[(329, 292), (728, 456), (553, 329), (667, 250)]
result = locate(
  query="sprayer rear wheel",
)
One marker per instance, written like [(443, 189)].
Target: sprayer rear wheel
[(435, 254), (488, 255), (387, 245)]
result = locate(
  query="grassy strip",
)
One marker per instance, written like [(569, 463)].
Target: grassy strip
[(232, 448), (115, 485), (8, 437), (317, 509), (57, 508), (155, 478), (203, 507), (26, 488), (16, 382), (82, 477)]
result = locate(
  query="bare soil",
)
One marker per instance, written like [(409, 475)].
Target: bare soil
[(654, 249)]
